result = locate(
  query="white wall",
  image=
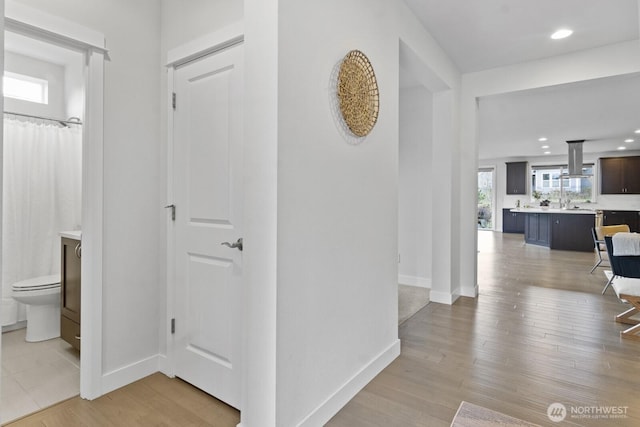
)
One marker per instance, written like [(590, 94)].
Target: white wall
[(415, 187), (261, 211), (183, 22), (337, 204), (54, 74), (133, 211), (440, 76), (74, 88), (337, 208), (1, 132)]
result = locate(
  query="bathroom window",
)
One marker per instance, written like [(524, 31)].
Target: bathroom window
[(25, 88)]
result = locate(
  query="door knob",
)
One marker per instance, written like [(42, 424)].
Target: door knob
[(236, 245)]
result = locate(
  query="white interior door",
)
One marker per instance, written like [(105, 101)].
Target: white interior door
[(208, 201)]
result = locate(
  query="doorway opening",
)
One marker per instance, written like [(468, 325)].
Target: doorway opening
[(486, 198), (42, 198)]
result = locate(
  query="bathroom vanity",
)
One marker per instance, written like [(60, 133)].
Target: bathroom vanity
[(71, 254)]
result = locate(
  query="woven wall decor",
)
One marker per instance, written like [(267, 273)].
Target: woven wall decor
[(358, 94)]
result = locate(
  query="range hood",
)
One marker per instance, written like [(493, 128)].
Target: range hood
[(575, 157)]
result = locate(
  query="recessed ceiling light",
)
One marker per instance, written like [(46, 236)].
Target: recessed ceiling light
[(561, 34), (637, 131), (543, 139), (622, 148), (547, 152), (628, 140), (545, 146)]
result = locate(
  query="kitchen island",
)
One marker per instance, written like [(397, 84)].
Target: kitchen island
[(565, 229)]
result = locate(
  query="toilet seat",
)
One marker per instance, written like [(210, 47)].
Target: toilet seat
[(41, 296), (37, 283)]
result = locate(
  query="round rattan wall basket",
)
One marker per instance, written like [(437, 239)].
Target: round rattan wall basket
[(358, 96)]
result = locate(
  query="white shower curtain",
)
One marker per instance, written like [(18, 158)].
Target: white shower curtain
[(41, 197)]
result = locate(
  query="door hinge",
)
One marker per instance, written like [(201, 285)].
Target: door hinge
[(173, 100), (173, 325), (173, 211)]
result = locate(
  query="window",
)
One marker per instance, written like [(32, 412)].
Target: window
[(553, 184), (25, 88)]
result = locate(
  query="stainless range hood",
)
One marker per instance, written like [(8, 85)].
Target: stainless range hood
[(575, 157)]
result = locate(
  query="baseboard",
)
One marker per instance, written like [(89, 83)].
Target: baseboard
[(421, 282), (164, 365), (470, 292), (443, 297), (14, 327), (128, 374), (327, 409)]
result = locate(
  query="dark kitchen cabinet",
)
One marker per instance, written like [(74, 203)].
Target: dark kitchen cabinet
[(620, 175), (572, 232), (70, 292), (537, 229), (631, 218), (512, 222), (516, 177)]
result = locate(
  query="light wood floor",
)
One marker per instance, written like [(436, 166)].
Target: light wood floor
[(153, 401), (540, 332)]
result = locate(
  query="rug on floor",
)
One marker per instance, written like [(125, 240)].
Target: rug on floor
[(410, 300), (470, 415)]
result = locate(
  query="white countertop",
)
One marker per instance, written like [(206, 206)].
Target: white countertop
[(76, 234), (555, 210)]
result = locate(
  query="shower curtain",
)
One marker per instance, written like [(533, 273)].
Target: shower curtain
[(41, 197)]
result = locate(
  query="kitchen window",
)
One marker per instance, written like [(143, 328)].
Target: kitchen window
[(553, 183)]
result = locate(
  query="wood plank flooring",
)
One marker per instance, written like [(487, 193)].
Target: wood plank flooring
[(153, 401), (540, 332)]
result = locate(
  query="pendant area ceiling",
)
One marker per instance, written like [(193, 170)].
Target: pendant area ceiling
[(480, 35), (605, 112)]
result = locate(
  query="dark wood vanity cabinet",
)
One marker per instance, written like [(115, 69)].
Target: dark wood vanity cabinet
[(516, 177), (70, 292), (620, 175)]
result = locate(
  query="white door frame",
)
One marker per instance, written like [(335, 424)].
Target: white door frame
[(38, 25), (181, 55)]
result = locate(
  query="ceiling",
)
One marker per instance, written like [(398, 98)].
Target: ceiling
[(479, 35), (605, 112)]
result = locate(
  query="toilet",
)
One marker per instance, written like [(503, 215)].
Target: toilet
[(41, 295)]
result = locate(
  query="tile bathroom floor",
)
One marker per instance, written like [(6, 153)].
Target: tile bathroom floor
[(36, 375)]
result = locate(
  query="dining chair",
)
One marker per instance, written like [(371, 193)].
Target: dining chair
[(598, 234), (622, 266), (625, 280)]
